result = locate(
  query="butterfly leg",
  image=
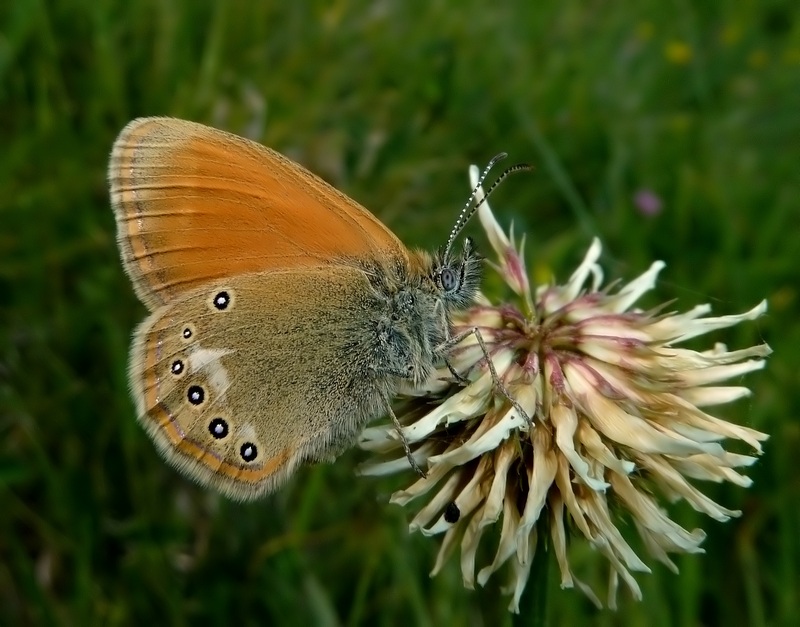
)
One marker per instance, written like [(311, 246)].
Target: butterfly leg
[(492, 370), (406, 445), (461, 380)]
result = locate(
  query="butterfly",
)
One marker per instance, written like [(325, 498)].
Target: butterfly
[(283, 316)]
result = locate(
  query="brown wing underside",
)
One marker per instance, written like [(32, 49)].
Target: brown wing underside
[(281, 378), (194, 204)]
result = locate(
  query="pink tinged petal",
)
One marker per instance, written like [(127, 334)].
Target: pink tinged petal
[(527, 392), (376, 439), (375, 469), (718, 355), (711, 468), (653, 548), (693, 416), (658, 547), (671, 422), (575, 284), (715, 374), (541, 473), (445, 495), (469, 547), (482, 441), (616, 383), (526, 286), (505, 455), (588, 592), (555, 387), (595, 447), (497, 237), (721, 354), (706, 325), (469, 497), (633, 291), (487, 318), (673, 483), (558, 535), (421, 486), (728, 460), (670, 327), (465, 405), (449, 544), (652, 518), (686, 359), (507, 544), (618, 425), (623, 383), (565, 488), (618, 569), (521, 571), (711, 395), (615, 327), (464, 361), (565, 421), (596, 510), (515, 273), (612, 353), (559, 538), (613, 588)]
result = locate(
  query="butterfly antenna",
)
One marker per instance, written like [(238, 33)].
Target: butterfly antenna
[(469, 209)]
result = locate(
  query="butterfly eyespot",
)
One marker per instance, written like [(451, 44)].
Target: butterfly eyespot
[(188, 332), (452, 513), (221, 300), (177, 367), (248, 451), (196, 395), (218, 428), (448, 279)]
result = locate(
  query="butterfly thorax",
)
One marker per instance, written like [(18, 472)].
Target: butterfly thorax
[(413, 310)]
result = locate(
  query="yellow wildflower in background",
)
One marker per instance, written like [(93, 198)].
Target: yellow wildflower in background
[(678, 52)]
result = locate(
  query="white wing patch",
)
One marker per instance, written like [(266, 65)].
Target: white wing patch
[(247, 431), (209, 360)]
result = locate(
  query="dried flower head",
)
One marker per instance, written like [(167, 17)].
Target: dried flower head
[(616, 413)]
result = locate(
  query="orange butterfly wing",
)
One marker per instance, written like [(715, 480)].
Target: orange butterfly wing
[(194, 204)]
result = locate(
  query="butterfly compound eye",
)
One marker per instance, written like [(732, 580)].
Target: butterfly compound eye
[(448, 279)]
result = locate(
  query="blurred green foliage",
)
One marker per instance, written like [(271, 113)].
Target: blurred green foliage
[(697, 103)]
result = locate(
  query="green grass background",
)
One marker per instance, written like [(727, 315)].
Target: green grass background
[(390, 101)]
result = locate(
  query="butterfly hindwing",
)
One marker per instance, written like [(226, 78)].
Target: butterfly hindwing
[(214, 390)]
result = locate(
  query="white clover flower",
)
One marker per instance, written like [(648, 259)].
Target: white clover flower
[(617, 415)]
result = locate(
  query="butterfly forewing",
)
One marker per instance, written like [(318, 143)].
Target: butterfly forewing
[(195, 204)]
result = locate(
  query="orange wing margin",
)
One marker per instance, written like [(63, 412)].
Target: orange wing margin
[(194, 204)]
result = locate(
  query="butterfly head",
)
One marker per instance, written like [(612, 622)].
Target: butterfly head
[(457, 277)]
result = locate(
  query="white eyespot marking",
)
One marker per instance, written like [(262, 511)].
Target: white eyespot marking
[(248, 452), (187, 333), (221, 299), (209, 361)]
